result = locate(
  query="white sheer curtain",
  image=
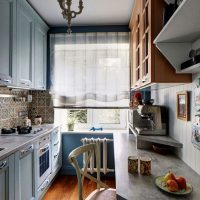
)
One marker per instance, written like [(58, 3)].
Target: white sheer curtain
[(90, 69)]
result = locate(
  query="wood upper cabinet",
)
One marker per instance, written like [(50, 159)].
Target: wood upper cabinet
[(148, 65)]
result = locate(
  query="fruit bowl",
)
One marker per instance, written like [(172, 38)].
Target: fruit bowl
[(160, 183)]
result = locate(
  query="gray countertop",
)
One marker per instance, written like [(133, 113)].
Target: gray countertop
[(138, 187), (14, 143)]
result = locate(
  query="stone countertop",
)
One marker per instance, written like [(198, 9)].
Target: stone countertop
[(15, 143), (138, 187)]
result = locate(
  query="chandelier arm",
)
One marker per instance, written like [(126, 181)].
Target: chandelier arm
[(62, 5)]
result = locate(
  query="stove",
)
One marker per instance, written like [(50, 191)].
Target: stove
[(22, 131)]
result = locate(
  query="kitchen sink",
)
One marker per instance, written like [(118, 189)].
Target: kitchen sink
[(2, 149)]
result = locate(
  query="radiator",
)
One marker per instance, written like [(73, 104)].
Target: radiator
[(101, 143)]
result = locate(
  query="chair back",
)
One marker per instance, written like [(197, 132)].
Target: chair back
[(88, 150)]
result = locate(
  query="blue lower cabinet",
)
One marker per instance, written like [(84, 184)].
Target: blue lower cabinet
[(71, 141), (7, 178), (25, 174)]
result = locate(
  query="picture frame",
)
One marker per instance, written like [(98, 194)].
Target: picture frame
[(182, 105)]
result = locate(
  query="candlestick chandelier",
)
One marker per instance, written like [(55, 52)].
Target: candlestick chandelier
[(69, 14)]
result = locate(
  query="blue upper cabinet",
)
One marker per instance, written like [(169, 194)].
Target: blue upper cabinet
[(40, 56), (25, 45), (8, 42)]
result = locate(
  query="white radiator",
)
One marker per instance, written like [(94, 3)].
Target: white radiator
[(103, 168)]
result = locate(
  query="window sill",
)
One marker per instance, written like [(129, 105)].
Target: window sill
[(85, 131)]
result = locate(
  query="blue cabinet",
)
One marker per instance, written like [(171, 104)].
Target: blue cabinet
[(7, 42), (40, 56), (25, 45), (24, 174), (7, 178), (23, 36)]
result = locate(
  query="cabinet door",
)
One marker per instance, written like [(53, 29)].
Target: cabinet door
[(7, 40), (24, 176), (25, 38), (40, 56), (56, 150), (7, 178)]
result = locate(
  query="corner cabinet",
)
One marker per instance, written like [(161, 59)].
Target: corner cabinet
[(25, 45), (40, 54), (7, 178), (148, 65), (7, 41)]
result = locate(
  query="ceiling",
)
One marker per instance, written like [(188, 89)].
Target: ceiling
[(95, 12)]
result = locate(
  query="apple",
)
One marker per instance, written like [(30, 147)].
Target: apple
[(172, 185), (181, 182), (169, 176)]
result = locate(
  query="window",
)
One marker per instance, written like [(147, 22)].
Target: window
[(87, 118), (90, 69)]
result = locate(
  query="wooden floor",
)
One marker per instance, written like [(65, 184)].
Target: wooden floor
[(66, 188)]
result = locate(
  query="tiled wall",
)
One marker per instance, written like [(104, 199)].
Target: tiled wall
[(41, 105), (9, 107), (179, 129)]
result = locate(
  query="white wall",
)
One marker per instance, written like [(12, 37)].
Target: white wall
[(178, 129)]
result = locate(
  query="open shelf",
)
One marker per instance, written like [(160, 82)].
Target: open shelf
[(192, 69), (183, 26)]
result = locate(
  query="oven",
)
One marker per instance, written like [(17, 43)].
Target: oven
[(43, 158)]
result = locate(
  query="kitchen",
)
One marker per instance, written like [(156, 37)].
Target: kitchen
[(91, 78)]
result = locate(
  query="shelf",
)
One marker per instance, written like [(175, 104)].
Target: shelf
[(192, 69), (183, 26), (166, 140)]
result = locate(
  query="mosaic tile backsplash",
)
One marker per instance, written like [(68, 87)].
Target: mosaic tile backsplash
[(41, 105), (10, 107)]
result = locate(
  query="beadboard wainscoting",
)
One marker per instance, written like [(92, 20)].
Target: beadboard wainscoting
[(179, 129)]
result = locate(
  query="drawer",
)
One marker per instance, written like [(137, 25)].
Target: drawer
[(55, 134)]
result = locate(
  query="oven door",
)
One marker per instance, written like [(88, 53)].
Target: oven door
[(44, 163)]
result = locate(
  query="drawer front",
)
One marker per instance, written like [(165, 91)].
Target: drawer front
[(55, 135)]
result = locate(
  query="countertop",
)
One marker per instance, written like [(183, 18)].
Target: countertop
[(14, 143), (138, 187)]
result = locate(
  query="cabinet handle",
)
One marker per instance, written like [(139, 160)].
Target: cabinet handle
[(3, 165), (26, 84), (55, 144), (55, 156), (30, 148), (47, 182), (6, 80), (144, 80), (44, 148)]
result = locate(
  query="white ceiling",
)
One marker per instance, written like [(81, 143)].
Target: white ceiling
[(95, 12)]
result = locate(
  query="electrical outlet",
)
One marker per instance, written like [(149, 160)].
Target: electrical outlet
[(22, 113), (29, 98)]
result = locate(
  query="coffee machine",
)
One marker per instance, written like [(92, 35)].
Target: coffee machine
[(149, 120)]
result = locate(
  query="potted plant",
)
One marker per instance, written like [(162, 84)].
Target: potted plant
[(71, 121)]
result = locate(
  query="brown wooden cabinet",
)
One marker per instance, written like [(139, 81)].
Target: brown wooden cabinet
[(148, 65)]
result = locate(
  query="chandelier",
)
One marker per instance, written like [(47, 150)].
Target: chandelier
[(69, 14)]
